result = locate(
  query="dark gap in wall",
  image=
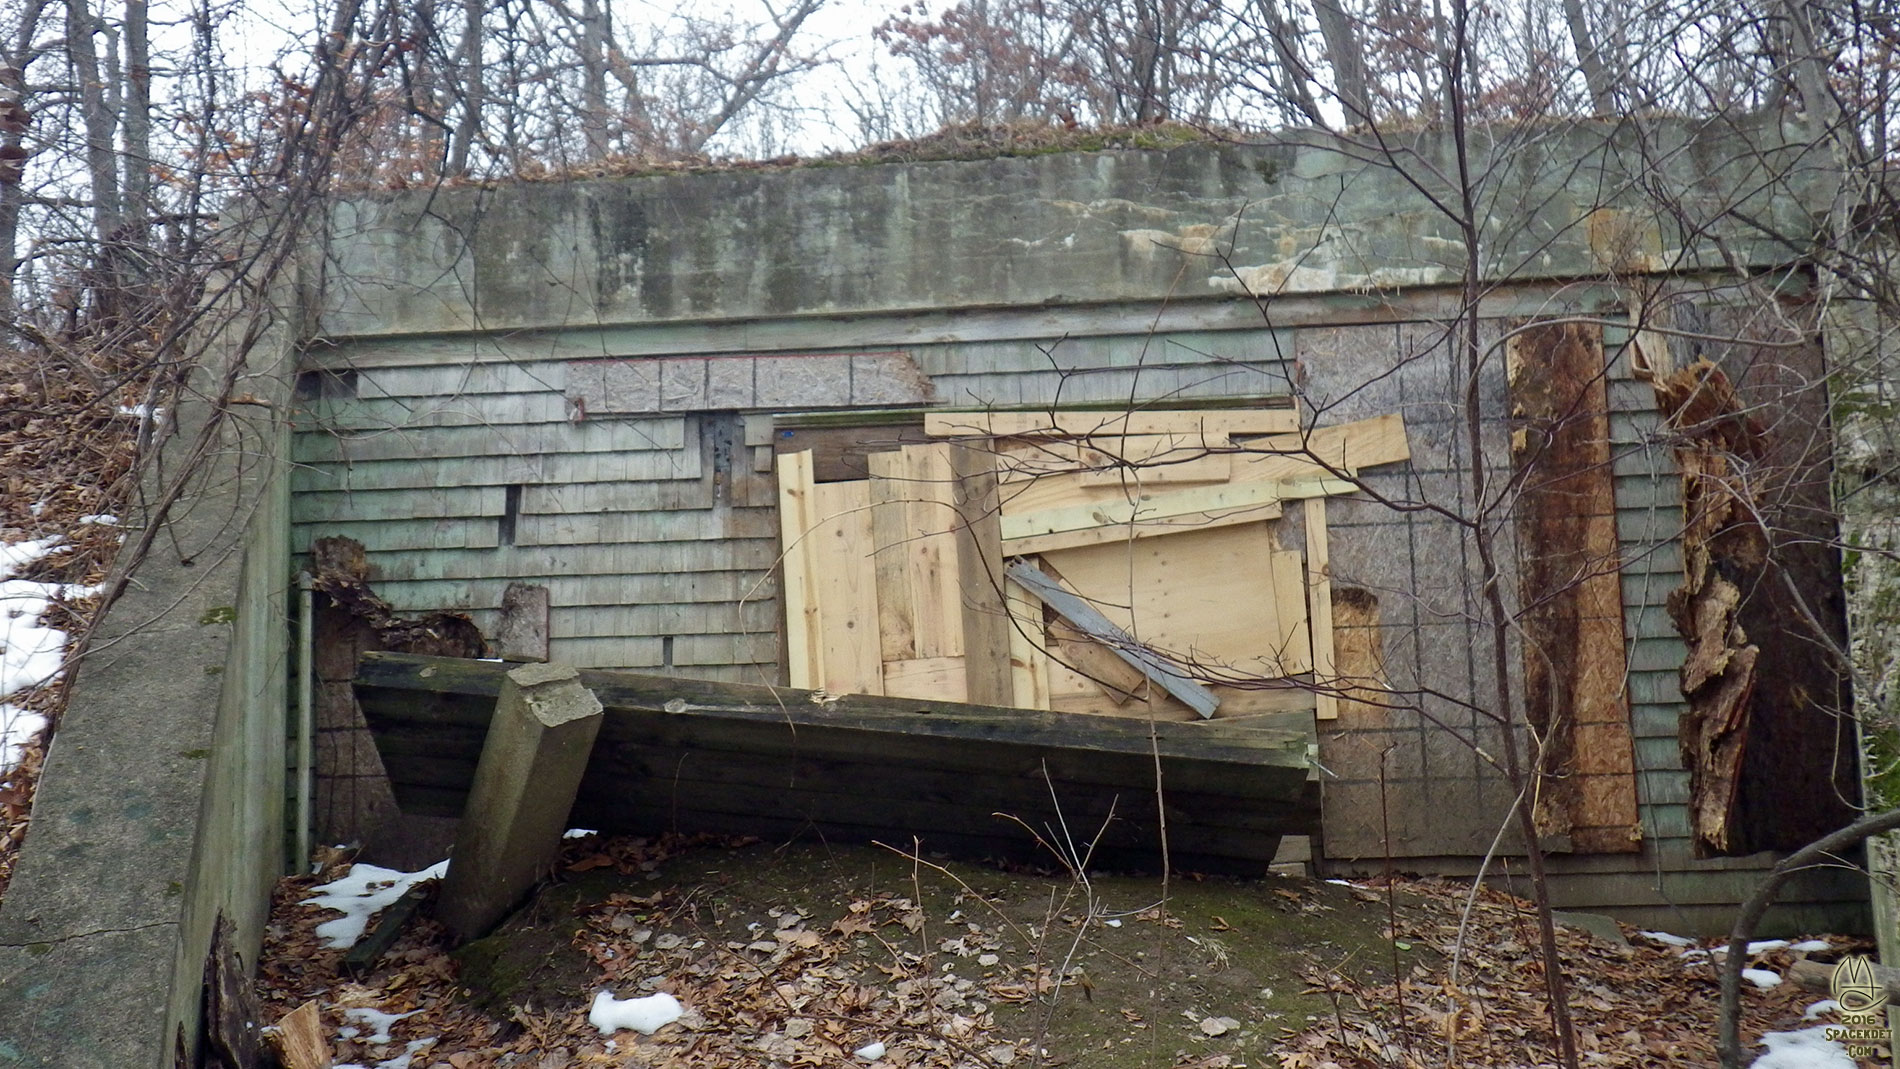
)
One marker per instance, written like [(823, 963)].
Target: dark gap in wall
[(510, 515), (666, 652), (316, 385)]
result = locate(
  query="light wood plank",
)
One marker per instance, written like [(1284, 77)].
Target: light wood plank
[(804, 641), (1345, 447), (1348, 447), (979, 572), (1213, 422), (1147, 515), (931, 678), (891, 533), (1289, 592), (1319, 600), (846, 582), (931, 560), (1028, 649)]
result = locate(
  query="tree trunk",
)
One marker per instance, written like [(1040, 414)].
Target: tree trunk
[(1348, 59), (1590, 58), (16, 120), (469, 126)]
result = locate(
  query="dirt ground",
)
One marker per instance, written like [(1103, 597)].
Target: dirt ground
[(809, 955)]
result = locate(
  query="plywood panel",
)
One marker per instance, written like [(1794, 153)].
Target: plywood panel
[(1205, 597)]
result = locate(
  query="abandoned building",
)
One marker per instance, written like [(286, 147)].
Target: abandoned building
[(1191, 438)]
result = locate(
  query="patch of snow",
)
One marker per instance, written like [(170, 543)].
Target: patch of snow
[(578, 833), (1763, 946), (1817, 1010), (31, 654), (378, 1020), (409, 1052), (17, 728), (100, 519), (1694, 953), (1762, 978), (1807, 1049), (1809, 946), (644, 1015), (142, 411), (870, 1052), (1666, 939), (360, 894)]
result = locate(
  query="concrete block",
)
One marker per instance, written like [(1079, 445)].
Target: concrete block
[(538, 742), (683, 385), (729, 383)]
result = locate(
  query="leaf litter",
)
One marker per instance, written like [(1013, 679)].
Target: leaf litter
[(901, 969)]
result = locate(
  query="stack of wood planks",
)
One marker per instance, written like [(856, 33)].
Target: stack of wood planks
[(1112, 562)]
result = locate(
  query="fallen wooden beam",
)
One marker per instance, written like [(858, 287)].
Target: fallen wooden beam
[(695, 756), (1162, 672)]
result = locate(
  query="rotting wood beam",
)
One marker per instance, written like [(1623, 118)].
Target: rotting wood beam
[(695, 700)]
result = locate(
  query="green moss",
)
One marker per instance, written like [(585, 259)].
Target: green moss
[(219, 614), (195, 755)]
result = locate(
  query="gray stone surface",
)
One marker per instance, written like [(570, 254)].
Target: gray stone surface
[(1298, 214), (537, 747)]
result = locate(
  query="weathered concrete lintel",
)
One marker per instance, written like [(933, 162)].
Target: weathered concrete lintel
[(1294, 216)]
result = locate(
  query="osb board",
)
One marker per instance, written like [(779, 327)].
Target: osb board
[(1225, 602), (1568, 576)]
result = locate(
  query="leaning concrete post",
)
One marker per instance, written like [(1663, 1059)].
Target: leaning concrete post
[(537, 747)]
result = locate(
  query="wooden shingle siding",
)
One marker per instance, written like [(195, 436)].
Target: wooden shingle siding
[(590, 528), (532, 562), (444, 383), (587, 590), (401, 504), (497, 471), (467, 410), (393, 535), (594, 436)]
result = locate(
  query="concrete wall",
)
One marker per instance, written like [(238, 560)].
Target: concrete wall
[(162, 802)]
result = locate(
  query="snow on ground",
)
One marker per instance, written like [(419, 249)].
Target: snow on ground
[(1807, 1049), (644, 1015), (400, 1061), (1809, 946), (31, 654), (1818, 1010), (1762, 978), (1667, 940), (360, 894)]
